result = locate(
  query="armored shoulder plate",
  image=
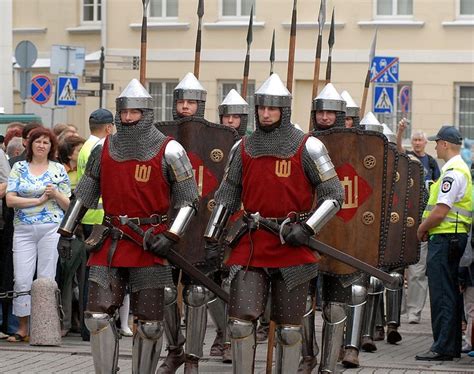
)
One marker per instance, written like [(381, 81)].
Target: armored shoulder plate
[(178, 160), (319, 154)]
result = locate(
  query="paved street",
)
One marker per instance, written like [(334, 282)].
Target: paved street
[(74, 356)]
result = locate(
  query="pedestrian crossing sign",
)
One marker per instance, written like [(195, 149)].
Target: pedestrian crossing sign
[(384, 98), (66, 88)]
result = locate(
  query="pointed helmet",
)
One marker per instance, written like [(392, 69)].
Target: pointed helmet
[(134, 96), (329, 99), (273, 93)]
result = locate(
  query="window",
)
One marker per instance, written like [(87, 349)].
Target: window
[(394, 8), (237, 8), (163, 8), (402, 109), (162, 93), (225, 87), (466, 8), (465, 110), (91, 11)]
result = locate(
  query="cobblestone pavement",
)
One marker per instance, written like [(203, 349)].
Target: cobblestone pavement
[(74, 356)]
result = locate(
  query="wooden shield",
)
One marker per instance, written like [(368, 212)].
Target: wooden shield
[(391, 255), (416, 186), (360, 158), (207, 145)]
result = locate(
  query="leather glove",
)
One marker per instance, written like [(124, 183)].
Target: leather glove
[(159, 244), (297, 234), (64, 248), (214, 255)]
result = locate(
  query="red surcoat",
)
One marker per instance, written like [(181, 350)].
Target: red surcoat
[(273, 187), (136, 189)]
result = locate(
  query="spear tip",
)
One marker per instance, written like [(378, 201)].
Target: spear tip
[(200, 10), (250, 28)]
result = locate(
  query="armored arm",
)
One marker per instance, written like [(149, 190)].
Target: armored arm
[(86, 194), (228, 196), (183, 187)]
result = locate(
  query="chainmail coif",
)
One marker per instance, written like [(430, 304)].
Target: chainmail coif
[(243, 124), (340, 120), (201, 109), (139, 142), (282, 142)]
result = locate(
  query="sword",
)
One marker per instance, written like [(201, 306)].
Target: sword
[(176, 259), (323, 248)]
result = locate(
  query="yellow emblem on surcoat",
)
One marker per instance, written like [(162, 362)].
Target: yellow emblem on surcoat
[(142, 173), (283, 168)]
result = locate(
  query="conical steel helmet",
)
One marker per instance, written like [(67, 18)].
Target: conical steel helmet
[(233, 104), (352, 109), (329, 99), (392, 138), (190, 89), (273, 93), (134, 96), (370, 122)]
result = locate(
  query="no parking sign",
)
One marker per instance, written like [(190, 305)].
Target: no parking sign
[(41, 89)]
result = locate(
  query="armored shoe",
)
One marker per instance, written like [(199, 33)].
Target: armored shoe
[(379, 333), (217, 348), (351, 358), (172, 362), (367, 344), (262, 333), (307, 364), (393, 336), (191, 365), (227, 354)]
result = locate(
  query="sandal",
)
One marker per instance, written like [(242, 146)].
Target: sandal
[(17, 338)]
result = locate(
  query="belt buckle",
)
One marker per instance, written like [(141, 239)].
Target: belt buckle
[(158, 220)]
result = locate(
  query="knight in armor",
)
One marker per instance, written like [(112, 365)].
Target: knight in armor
[(154, 173), (375, 315), (277, 162), (328, 109), (352, 111), (189, 98), (233, 112)]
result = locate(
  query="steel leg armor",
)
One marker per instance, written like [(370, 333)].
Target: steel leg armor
[(355, 315), (394, 305), (334, 316), (375, 293), (219, 313), (310, 347), (288, 348), (243, 345), (195, 297), (147, 344), (104, 341)]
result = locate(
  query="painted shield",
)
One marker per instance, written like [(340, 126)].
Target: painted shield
[(416, 196), (361, 162), (207, 145), (391, 254)]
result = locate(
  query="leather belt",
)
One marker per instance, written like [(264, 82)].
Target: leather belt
[(154, 219), (294, 217)]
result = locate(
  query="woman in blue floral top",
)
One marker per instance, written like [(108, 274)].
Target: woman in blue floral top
[(38, 190)]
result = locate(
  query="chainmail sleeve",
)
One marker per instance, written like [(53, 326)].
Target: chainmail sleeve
[(88, 188), (229, 193), (183, 193), (327, 190)]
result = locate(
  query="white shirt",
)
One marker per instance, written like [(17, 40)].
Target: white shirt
[(453, 184)]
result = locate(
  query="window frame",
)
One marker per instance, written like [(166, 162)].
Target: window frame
[(163, 11), (238, 16), (457, 106), (163, 84), (95, 7), (394, 15), (238, 88), (460, 16)]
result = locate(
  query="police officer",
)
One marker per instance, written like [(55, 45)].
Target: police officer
[(446, 222)]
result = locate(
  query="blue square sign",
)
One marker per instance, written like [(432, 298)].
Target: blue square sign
[(384, 70), (384, 99), (66, 88)]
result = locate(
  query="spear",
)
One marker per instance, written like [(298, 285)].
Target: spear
[(331, 44), (247, 56), (367, 77), (317, 60), (143, 42), (291, 50), (272, 53), (197, 53)]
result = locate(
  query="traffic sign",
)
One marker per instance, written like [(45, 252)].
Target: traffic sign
[(66, 59), (384, 99), (91, 78), (41, 89), (66, 88), (95, 93), (404, 98), (25, 80), (384, 70), (26, 54), (107, 86)]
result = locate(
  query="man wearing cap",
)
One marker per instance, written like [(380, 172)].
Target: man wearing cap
[(101, 124), (154, 173), (275, 163), (446, 222)]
